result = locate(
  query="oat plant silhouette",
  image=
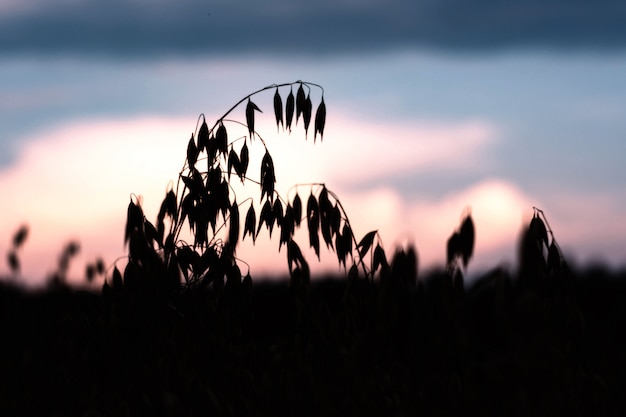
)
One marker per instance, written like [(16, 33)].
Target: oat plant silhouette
[(12, 256), (204, 203)]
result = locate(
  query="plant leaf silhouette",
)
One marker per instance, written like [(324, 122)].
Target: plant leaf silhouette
[(538, 229), (325, 214), (297, 210), (346, 234), (221, 139), (223, 197), (353, 273), (320, 120), (289, 108), (213, 181), (211, 150), (250, 109), (13, 261), (312, 211), (277, 212), (340, 249), (295, 258), (192, 152), (250, 224), (194, 187), (90, 272), (100, 266), (244, 159), (554, 257), (314, 241), (278, 109), (233, 162), (187, 209), (233, 231), (335, 219), (467, 237), (169, 205), (366, 243), (300, 102), (267, 177), (118, 283), (380, 260), (286, 226), (134, 220), (20, 236), (188, 260), (313, 222), (152, 235), (306, 113), (203, 136), (267, 217), (453, 247)]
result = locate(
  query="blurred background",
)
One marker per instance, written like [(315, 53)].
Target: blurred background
[(432, 107)]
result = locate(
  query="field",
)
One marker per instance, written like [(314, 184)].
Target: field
[(337, 348)]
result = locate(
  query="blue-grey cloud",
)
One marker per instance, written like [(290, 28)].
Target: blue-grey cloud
[(202, 27)]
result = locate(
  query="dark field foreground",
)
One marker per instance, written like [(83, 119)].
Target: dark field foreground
[(498, 348)]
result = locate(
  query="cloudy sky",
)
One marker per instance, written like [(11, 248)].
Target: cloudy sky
[(433, 106)]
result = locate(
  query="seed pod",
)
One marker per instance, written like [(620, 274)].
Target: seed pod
[(320, 120), (203, 136), (244, 159), (467, 239), (297, 210), (300, 102), (233, 231), (250, 108), (250, 224), (289, 108), (278, 109), (306, 113)]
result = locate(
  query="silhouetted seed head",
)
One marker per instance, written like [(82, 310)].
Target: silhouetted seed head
[(20, 236), (221, 140), (366, 243), (14, 262), (306, 113), (289, 108), (538, 230), (233, 233), (467, 237), (268, 178), (249, 227), (203, 137), (278, 109), (243, 159), (320, 120), (300, 102), (250, 109), (233, 162), (192, 152), (297, 210)]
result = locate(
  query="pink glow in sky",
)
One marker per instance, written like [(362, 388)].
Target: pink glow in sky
[(74, 182)]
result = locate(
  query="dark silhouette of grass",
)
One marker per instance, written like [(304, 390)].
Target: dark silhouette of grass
[(342, 348), (180, 331)]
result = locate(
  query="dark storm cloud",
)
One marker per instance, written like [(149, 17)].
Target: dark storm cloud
[(199, 27)]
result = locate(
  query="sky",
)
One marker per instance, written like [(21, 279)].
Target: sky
[(433, 106)]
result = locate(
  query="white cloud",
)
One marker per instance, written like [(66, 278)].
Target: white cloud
[(356, 151), (75, 182)]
